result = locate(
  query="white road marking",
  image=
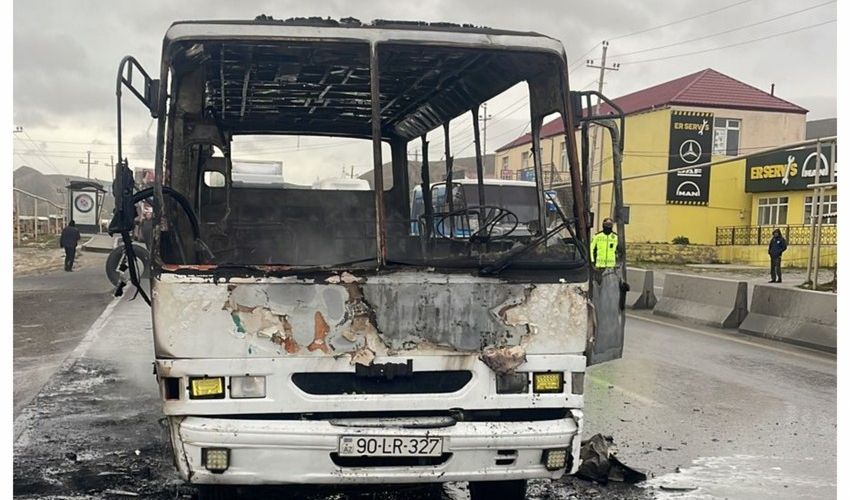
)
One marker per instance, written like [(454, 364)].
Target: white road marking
[(633, 395)]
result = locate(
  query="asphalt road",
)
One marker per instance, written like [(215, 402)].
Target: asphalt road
[(52, 310), (727, 415), (707, 414)]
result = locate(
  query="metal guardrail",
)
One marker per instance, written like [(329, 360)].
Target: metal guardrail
[(799, 234), (32, 226)]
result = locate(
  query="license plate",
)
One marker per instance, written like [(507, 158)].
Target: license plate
[(386, 446)]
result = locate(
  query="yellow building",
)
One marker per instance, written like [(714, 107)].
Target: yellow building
[(693, 120)]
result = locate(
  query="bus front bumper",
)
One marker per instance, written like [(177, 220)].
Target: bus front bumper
[(308, 452)]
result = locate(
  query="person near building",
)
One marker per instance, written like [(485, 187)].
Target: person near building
[(68, 240), (603, 247), (775, 248)]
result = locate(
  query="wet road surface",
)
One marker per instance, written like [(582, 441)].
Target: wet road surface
[(717, 414)]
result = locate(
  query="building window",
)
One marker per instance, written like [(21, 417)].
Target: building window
[(727, 136), (829, 208), (525, 160), (505, 163), (563, 156), (773, 211)]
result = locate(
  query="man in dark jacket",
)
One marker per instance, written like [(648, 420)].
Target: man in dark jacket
[(774, 249), (68, 240)]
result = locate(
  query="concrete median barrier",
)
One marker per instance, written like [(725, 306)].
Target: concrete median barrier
[(801, 317), (641, 294), (714, 302)]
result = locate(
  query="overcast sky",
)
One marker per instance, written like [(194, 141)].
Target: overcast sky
[(66, 55)]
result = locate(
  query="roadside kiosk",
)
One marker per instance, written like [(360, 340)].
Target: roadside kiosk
[(85, 203)]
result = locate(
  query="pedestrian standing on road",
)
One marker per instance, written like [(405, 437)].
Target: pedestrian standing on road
[(68, 240), (774, 249), (603, 247)]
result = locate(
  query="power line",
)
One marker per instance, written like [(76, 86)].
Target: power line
[(730, 45), (724, 32), (37, 152), (677, 22), (511, 131), (580, 58)]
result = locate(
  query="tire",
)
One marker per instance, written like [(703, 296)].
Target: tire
[(216, 492), (113, 262), (497, 490)]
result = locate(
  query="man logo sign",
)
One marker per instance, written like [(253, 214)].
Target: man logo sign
[(810, 166), (688, 189)]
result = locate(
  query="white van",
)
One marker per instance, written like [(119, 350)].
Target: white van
[(342, 184)]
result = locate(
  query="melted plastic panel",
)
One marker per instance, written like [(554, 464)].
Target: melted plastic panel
[(397, 316)]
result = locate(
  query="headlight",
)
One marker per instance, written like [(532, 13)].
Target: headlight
[(206, 388), (216, 460), (512, 383), (247, 387), (548, 382), (578, 383), (554, 459)]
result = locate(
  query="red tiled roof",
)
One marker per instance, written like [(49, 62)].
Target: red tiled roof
[(707, 88)]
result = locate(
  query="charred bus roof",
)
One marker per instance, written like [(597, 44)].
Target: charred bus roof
[(312, 76)]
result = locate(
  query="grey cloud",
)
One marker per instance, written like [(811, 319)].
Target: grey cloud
[(66, 52)]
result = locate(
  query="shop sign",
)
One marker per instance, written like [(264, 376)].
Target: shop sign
[(690, 144), (788, 170)]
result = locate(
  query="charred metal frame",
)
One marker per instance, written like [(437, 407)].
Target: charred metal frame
[(580, 101), (253, 86)]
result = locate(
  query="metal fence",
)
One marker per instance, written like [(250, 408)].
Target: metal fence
[(800, 234), (527, 174), (31, 226)]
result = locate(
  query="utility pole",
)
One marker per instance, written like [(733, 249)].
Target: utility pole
[(484, 117), (602, 67), (88, 162)]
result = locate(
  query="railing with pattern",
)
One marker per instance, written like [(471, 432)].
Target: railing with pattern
[(549, 175), (800, 234)]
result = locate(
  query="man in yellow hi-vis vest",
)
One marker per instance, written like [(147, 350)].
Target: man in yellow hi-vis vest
[(603, 246)]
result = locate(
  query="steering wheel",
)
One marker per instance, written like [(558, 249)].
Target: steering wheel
[(184, 204), (493, 216)]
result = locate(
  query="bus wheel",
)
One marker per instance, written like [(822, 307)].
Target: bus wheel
[(503, 490), (117, 259)]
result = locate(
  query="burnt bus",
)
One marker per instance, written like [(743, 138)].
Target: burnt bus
[(307, 335)]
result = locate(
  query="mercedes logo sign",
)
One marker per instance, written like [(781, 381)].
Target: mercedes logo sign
[(690, 151)]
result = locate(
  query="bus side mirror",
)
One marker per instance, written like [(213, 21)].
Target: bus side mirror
[(124, 216)]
